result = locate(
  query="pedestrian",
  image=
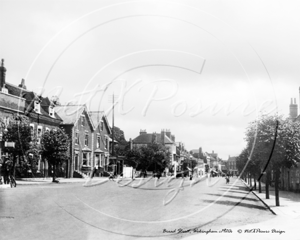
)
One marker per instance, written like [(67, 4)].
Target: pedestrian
[(94, 171), (5, 172), (158, 175), (227, 179)]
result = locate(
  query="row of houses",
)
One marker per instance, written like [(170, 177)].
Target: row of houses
[(89, 131)]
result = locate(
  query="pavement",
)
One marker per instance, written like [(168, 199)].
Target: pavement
[(42, 181), (284, 226)]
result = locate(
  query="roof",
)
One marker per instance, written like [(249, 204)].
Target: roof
[(29, 97), (231, 159), (97, 116), (69, 113), (146, 138), (15, 90)]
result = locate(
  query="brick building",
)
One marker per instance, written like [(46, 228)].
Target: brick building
[(101, 146), (40, 111), (80, 128)]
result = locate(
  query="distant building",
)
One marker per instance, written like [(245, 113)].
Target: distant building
[(165, 138), (212, 160), (231, 165)]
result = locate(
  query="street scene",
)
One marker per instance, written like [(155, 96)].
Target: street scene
[(149, 119), (109, 211)]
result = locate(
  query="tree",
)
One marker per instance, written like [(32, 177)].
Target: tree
[(54, 148), (274, 144), (19, 132), (154, 157)]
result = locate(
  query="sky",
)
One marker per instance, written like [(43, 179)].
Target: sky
[(202, 69)]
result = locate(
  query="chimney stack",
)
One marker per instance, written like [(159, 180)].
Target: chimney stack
[(22, 85), (162, 136), (2, 74), (173, 138), (168, 133), (293, 109), (143, 131)]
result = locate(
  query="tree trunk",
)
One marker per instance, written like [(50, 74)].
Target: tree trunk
[(254, 178), (259, 186), (267, 184), (53, 174), (277, 175)]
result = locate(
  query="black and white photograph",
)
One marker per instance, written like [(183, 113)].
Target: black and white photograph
[(149, 119)]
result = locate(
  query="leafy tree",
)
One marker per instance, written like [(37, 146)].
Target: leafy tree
[(19, 132), (153, 157), (276, 139), (54, 148)]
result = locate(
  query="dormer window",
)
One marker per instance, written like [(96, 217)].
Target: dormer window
[(37, 106), (51, 112)]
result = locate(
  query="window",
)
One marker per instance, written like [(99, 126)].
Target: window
[(37, 106), (39, 131), (101, 126), (106, 142), (76, 138), (82, 120), (86, 139), (51, 111), (84, 159), (98, 141), (32, 130)]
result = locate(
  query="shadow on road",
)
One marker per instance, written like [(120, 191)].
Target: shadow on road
[(232, 203), (234, 197)]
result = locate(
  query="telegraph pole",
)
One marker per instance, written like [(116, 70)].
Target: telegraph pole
[(113, 127)]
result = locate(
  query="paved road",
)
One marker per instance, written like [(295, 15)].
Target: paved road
[(111, 211)]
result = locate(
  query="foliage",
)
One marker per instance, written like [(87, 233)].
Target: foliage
[(273, 143), (19, 132), (54, 147), (260, 139), (153, 157)]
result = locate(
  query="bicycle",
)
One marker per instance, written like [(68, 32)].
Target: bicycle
[(12, 181)]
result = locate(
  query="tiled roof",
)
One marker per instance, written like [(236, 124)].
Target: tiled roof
[(14, 90), (29, 100), (96, 117), (146, 138), (69, 113), (143, 138)]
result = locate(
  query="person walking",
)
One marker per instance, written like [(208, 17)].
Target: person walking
[(5, 172)]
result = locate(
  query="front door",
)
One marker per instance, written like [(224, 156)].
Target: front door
[(76, 162)]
